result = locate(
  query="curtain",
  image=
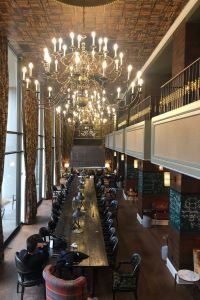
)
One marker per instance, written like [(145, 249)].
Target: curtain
[(58, 147), (30, 125), (3, 117), (64, 141), (69, 139), (48, 129)]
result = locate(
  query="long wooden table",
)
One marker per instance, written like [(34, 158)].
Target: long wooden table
[(90, 241)]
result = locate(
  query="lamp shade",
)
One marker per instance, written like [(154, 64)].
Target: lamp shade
[(115, 153), (122, 157)]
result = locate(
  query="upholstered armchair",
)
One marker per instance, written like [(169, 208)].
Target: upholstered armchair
[(59, 289), (125, 277)]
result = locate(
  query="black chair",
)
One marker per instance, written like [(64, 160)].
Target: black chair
[(125, 277), (111, 251), (26, 278)]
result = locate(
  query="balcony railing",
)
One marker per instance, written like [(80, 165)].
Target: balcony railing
[(144, 110), (182, 89)]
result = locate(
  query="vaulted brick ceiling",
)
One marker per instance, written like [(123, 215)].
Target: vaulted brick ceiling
[(137, 25)]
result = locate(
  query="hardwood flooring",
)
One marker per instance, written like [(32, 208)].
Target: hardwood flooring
[(155, 282)]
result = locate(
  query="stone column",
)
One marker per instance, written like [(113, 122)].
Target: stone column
[(150, 187), (184, 220)]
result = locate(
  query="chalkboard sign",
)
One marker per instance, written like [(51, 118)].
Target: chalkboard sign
[(190, 213), (151, 183), (175, 209)]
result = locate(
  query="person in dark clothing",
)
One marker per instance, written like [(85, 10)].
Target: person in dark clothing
[(35, 256)]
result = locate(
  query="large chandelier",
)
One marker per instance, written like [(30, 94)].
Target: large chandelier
[(77, 63)]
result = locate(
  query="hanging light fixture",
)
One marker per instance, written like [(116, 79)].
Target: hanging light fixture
[(122, 157)]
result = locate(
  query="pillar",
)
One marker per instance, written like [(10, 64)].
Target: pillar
[(131, 174), (150, 187), (184, 220)]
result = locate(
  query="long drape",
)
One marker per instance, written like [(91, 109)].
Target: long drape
[(48, 129), (3, 118), (58, 148), (69, 139), (30, 125)]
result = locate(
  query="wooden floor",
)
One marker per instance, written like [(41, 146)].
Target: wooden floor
[(155, 282)]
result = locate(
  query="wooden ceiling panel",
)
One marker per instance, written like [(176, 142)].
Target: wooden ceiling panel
[(137, 25)]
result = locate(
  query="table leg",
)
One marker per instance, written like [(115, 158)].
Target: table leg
[(175, 280), (92, 280)]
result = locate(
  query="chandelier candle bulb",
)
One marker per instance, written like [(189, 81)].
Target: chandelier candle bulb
[(121, 55), (36, 85), (129, 71), (27, 82), (54, 44), (100, 44), (79, 40), (115, 47), (72, 38), (30, 66), (50, 90), (93, 34), (64, 49), (105, 43), (118, 92), (24, 70), (132, 87), (60, 40)]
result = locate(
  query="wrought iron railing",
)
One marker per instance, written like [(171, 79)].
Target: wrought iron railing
[(182, 89), (144, 110), (122, 120)]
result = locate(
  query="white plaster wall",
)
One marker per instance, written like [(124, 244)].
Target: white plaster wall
[(176, 140), (119, 140)]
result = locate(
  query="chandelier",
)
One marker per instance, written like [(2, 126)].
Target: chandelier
[(76, 63)]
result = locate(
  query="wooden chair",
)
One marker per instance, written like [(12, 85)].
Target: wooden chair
[(127, 280)]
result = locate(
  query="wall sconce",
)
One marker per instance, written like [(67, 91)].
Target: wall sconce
[(166, 179), (122, 157), (66, 165), (135, 163), (107, 165), (160, 168), (115, 153)]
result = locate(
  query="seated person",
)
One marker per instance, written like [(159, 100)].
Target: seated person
[(36, 255)]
